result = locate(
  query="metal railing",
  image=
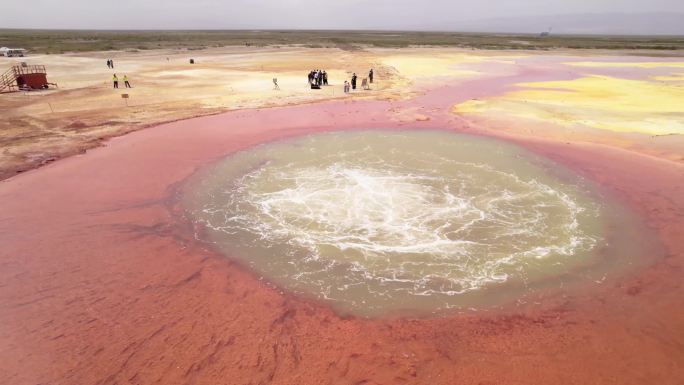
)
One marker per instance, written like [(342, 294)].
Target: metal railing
[(8, 80), (26, 70)]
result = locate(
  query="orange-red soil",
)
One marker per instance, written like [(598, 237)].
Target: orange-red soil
[(101, 281)]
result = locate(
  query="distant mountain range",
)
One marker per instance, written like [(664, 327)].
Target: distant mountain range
[(589, 24)]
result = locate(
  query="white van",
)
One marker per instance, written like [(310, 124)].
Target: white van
[(12, 52)]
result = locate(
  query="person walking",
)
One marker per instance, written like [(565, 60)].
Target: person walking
[(370, 75), (111, 62), (126, 83), (116, 81), (353, 81), (346, 87), (276, 87), (109, 65)]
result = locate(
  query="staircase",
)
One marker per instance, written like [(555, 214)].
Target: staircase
[(8, 81)]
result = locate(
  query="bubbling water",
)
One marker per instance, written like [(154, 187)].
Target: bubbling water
[(378, 222)]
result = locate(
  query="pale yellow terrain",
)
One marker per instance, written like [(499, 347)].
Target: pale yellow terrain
[(433, 63), (644, 112), (601, 102), (675, 78), (422, 66), (38, 127), (608, 64)]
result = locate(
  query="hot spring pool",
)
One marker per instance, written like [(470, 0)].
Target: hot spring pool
[(381, 222)]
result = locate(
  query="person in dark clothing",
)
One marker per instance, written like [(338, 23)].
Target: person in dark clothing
[(370, 75), (311, 76), (353, 81), (111, 62), (109, 65), (325, 78)]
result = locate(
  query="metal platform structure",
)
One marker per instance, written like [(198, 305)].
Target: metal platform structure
[(25, 77)]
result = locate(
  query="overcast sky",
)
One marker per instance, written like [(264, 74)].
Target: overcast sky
[(308, 14)]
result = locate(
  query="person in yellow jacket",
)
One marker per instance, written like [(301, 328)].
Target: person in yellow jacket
[(116, 81), (126, 83)]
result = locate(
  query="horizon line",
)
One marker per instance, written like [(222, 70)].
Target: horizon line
[(379, 30)]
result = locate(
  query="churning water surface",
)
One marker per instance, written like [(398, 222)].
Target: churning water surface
[(380, 222)]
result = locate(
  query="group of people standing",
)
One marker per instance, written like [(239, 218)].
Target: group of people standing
[(354, 78), (318, 78), (115, 80)]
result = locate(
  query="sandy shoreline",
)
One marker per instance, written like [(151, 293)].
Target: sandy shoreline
[(102, 284)]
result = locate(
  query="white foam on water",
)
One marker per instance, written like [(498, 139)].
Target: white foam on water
[(373, 217), (422, 226)]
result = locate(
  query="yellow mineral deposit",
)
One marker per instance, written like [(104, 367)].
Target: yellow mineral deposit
[(601, 102)]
